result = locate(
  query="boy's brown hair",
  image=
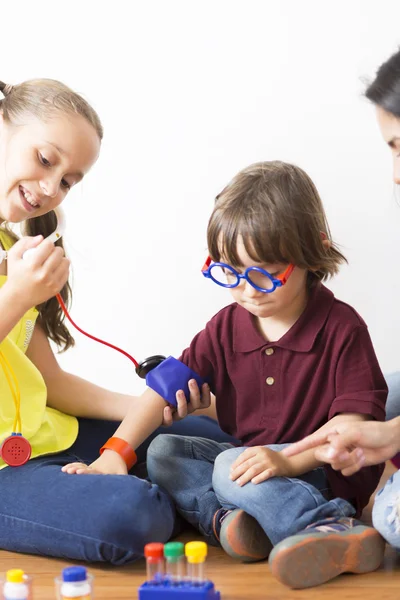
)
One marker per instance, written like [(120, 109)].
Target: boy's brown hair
[(276, 209)]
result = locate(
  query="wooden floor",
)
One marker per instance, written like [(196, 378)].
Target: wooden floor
[(235, 581)]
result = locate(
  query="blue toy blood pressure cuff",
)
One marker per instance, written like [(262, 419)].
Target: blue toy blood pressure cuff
[(170, 376)]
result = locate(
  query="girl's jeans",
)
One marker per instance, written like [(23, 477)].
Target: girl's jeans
[(88, 517), (195, 472)]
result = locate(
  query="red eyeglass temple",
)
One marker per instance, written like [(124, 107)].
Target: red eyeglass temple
[(285, 275), (206, 264)]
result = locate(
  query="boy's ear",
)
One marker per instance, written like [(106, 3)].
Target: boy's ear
[(325, 242)]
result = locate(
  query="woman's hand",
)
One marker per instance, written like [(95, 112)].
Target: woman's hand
[(109, 463), (39, 276), (197, 401), (257, 464), (352, 445)]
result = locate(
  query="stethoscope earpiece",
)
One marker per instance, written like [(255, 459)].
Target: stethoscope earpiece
[(148, 364)]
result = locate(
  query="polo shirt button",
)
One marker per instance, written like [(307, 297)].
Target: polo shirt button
[(269, 351), (270, 381)]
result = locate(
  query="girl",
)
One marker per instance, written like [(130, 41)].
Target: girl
[(49, 139), (283, 359)]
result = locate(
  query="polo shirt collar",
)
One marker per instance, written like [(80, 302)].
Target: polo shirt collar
[(300, 337)]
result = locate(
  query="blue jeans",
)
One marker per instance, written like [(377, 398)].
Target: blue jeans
[(88, 517), (393, 399), (385, 512), (195, 473)]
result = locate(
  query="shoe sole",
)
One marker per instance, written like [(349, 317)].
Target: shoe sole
[(310, 561), (243, 538)]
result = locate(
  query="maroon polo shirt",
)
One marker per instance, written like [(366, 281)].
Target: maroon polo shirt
[(278, 392)]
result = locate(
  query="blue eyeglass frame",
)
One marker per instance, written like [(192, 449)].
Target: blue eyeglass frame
[(278, 281)]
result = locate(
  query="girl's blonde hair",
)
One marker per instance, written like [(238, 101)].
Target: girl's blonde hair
[(44, 98), (276, 209)]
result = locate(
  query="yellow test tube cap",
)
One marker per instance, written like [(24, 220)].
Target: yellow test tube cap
[(196, 552), (15, 576)]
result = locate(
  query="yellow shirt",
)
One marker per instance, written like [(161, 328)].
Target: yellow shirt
[(47, 429)]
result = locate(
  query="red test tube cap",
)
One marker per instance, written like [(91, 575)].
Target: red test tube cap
[(154, 551)]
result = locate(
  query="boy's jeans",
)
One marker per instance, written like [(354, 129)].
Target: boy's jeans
[(195, 472)]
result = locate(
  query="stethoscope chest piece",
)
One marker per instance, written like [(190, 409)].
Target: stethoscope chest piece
[(15, 450), (148, 364)]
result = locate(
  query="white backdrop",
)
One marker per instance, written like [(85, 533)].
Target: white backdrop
[(189, 93)]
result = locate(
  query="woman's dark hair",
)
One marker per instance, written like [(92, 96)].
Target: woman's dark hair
[(384, 91)]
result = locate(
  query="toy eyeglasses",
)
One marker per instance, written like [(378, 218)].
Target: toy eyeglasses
[(226, 276)]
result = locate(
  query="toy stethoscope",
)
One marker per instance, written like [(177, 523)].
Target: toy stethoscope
[(164, 375)]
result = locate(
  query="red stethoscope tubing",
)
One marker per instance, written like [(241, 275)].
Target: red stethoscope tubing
[(92, 337)]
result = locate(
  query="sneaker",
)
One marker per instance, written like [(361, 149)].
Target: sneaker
[(324, 550), (240, 535)]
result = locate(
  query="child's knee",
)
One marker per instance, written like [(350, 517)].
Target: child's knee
[(165, 444), (225, 488), (144, 514), (225, 460), (161, 457)]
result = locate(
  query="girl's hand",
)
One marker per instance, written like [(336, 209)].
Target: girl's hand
[(197, 401), (109, 463), (41, 275), (257, 464)]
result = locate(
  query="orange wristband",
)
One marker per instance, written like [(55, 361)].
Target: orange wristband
[(123, 449)]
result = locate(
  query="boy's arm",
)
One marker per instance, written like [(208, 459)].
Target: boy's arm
[(258, 463)]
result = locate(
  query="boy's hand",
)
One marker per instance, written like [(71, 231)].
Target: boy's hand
[(109, 463), (257, 464), (197, 401)]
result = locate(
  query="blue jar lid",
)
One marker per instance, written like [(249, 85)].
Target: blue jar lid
[(74, 574)]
